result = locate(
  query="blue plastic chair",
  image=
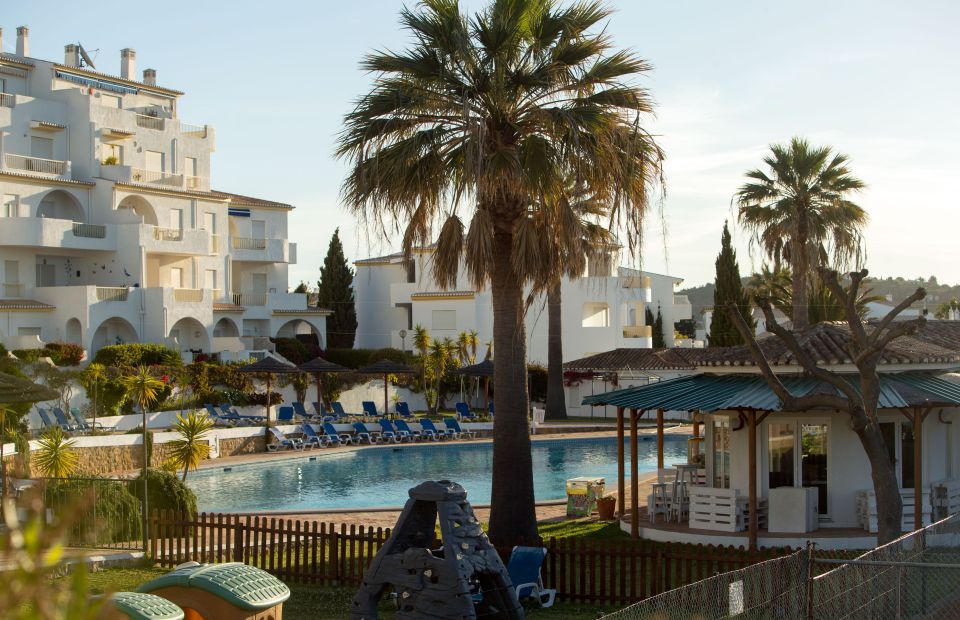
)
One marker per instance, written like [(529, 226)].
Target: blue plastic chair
[(362, 434), (387, 432), (337, 438), (370, 409), (63, 421), (283, 441), (82, 423), (431, 431), (454, 427), (300, 410), (321, 441), (404, 430), (463, 411), (44, 418), (338, 409), (403, 409), (285, 414), (524, 568)]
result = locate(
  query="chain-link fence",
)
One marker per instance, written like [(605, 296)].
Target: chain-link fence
[(98, 512), (914, 577)]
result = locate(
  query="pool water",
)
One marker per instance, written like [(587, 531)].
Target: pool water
[(380, 477)]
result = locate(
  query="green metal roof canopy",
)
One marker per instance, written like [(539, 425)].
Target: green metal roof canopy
[(708, 392)]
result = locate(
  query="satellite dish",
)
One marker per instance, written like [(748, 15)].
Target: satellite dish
[(85, 58)]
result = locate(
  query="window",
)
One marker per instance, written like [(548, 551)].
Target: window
[(154, 161), (41, 147), (176, 277), (11, 205), (259, 281), (904, 464), (210, 279), (444, 319), (721, 452), (112, 153), (596, 314), (411, 271), (781, 439), (190, 166), (258, 229), (3, 85), (176, 219), (210, 222)]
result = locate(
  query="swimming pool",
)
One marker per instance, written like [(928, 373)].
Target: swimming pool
[(380, 477)]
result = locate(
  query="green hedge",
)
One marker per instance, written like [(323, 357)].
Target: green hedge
[(389, 353), (165, 492), (126, 355)]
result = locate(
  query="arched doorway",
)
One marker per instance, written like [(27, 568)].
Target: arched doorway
[(114, 330), (73, 332), (60, 205), (189, 334), (140, 209), (299, 327), (225, 328)]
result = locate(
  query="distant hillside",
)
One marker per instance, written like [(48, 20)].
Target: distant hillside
[(894, 289)]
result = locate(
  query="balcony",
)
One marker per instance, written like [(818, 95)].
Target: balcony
[(48, 232), (248, 299), (156, 177), (180, 241), (7, 100), (262, 250), (112, 293), (637, 331), (188, 295), (168, 234), (150, 122), (37, 165), (197, 184), (12, 289), (195, 131)]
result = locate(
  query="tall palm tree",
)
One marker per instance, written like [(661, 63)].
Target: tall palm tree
[(776, 286), (144, 390), (466, 131), (800, 213), (190, 448), (94, 374)]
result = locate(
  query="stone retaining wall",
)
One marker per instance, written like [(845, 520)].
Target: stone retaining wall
[(242, 445)]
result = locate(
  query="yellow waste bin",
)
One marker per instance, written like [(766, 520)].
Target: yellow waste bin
[(582, 494)]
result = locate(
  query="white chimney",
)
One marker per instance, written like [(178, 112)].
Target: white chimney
[(150, 77), (71, 55), (23, 45), (128, 64)]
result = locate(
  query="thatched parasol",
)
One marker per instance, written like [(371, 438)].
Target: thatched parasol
[(269, 366), (386, 368), (318, 366), (15, 390)]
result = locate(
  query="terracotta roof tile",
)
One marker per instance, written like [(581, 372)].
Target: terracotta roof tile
[(24, 304), (250, 201)]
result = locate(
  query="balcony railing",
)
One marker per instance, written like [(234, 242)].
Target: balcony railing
[(150, 122), (155, 177), (637, 331), (248, 299), (7, 100), (112, 293), (197, 183), (246, 243), (91, 231), (168, 234), (12, 289), (199, 131), (35, 164), (188, 294)]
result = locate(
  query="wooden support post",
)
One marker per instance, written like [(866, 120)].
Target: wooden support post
[(752, 479), (659, 438), (634, 478), (621, 483)]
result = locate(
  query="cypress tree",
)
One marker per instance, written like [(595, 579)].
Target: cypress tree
[(659, 341), (727, 288), (335, 293)]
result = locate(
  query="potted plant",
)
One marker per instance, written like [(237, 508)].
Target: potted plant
[(111, 161), (606, 507)]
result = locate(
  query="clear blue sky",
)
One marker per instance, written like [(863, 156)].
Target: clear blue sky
[(876, 79)]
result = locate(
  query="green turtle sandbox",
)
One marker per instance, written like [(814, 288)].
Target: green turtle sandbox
[(140, 606), (231, 591)]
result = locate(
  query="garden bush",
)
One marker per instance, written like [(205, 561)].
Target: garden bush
[(101, 511), (64, 353), (165, 491), (127, 355), (292, 349), (388, 353), (348, 358)]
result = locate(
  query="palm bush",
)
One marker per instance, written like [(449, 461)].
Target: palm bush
[(55, 456), (190, 448)]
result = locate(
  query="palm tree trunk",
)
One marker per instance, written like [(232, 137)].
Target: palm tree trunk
[(513, 518), (801, 275), (556, 402)]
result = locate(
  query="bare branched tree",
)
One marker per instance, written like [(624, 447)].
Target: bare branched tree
[(865, 348)]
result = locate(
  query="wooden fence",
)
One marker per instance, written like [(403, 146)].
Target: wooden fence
[(581, 570)]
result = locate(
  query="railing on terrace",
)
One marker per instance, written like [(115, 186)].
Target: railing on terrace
[(196, 130), (12, 289), (155, 177), (112, 293), (7, 100), (150, 122), (248, 299), (246, 243), (168, 234), (637, 331), (91, 231), (197, 183), (581, 570), (188, 294), (35, 164)]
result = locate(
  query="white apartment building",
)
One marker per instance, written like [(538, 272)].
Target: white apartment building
[(602, 310), (109, 230)]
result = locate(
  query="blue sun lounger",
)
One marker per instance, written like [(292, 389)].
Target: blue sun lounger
[(338, 410), (300, 411), (283, 441), (337, 438), (370, 409), (63, 421), (404, 430), (285, 415), (362, 433), (44, 419), (464, 413), (403, 409), (454, 427), (387, 433), (524, 568), (321, 441), (431, 431), (82, 423)]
